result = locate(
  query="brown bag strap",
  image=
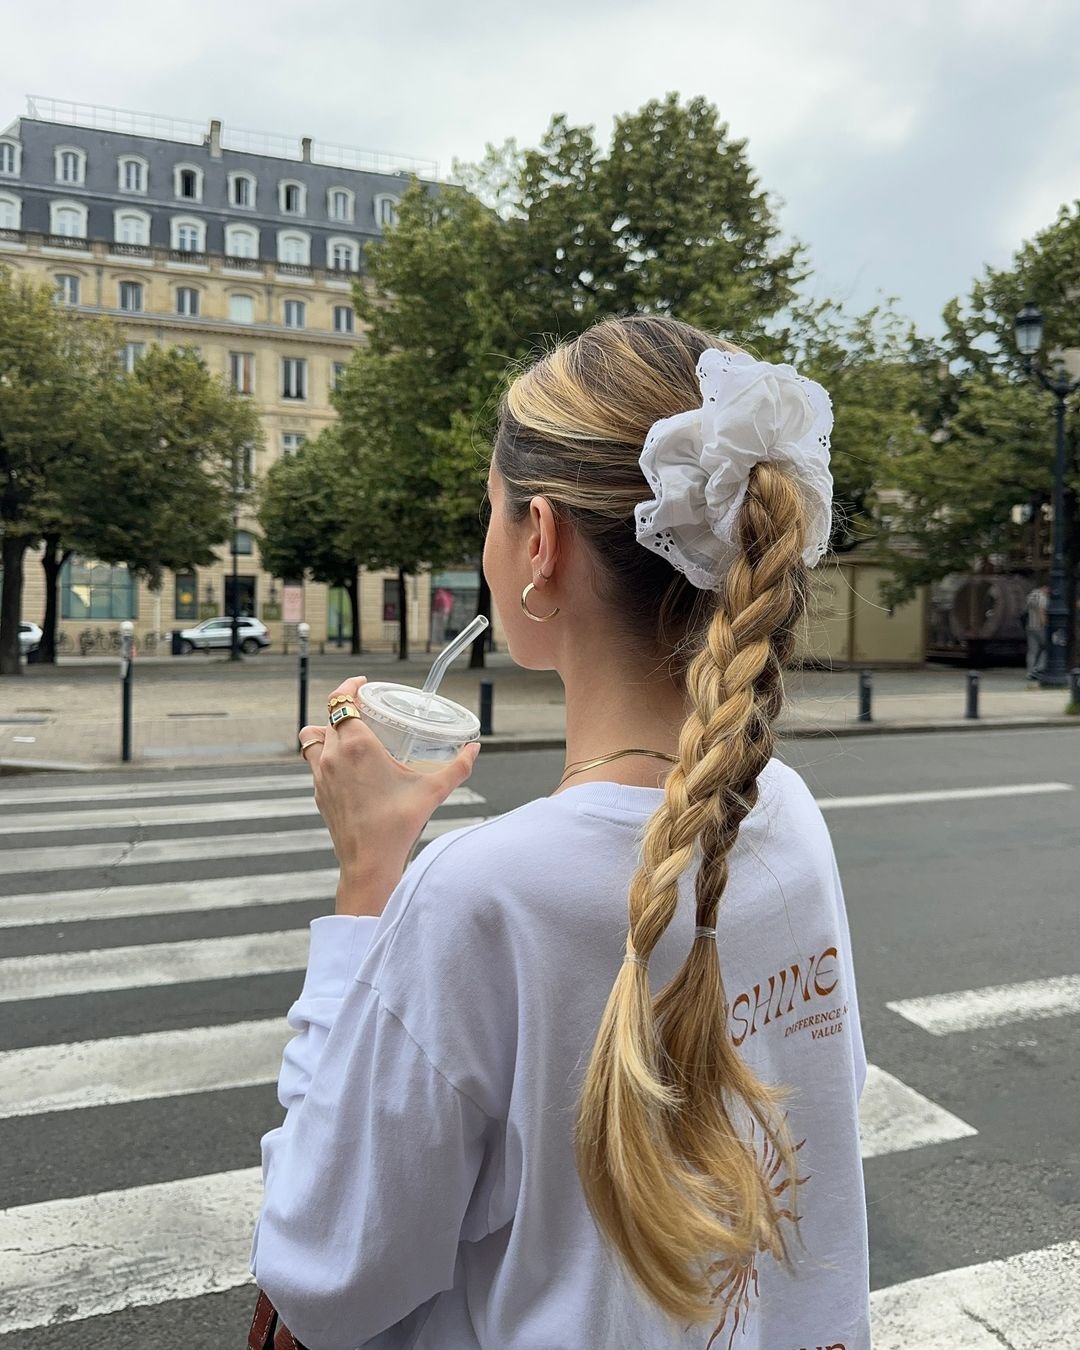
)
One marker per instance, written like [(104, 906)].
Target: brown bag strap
[(268, 1332)]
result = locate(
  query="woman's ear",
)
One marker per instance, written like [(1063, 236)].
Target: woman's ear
[(543, 537)]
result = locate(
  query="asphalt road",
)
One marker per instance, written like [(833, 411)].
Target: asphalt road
[(958, 893)]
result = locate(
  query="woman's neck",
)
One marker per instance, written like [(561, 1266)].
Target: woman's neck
[(603, 715)]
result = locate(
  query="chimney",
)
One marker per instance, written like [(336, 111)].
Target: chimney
[(305, 149), (215, 139)]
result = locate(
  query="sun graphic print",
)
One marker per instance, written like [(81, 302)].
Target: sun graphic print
[(737, 1289)]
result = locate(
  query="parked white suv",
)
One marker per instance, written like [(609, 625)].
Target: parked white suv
[(216, 635), (29, 637)]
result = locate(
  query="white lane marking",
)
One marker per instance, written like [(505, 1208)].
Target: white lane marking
[(251, 847), (945, 795), (995, 1005), (894, 1117), (137, 1068), (65, 1260), (1028, 1302), (125, 792), (126, 817), (173, 897), (155, 964)]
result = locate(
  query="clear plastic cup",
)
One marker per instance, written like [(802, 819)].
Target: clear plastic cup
[(424, 731)]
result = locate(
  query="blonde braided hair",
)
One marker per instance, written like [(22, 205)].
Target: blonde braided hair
[(669, 1113)]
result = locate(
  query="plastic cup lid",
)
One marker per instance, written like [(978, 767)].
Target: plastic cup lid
[(428, 715)]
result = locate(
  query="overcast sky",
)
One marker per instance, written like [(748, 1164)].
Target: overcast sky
[(910, 144)]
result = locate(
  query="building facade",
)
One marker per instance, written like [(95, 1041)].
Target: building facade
[(243, 246)]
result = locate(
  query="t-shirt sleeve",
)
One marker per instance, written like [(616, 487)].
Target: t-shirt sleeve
[(369, 1184), (844, 943)]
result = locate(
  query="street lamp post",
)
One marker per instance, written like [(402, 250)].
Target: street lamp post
[(234, 608), (1029, 335)]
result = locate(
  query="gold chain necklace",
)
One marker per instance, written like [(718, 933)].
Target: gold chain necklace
[(582, 764)]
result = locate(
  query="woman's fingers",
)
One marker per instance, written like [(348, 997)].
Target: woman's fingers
[(311, 743)]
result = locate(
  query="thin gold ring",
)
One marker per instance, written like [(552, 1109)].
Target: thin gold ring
[(306, 745)]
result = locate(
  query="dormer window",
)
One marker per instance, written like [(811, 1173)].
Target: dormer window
[(70, 165), (132, 173), (188, 182), (340, 204), (242, 190), (292, 198), (10, 159)]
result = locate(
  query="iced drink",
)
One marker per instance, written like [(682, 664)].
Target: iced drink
[(424, 731)]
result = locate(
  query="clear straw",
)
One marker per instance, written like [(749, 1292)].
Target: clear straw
[(452, 649)]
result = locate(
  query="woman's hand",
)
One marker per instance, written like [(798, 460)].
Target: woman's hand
[(374, 807)]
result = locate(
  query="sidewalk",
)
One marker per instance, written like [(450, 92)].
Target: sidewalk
[(205, 709)]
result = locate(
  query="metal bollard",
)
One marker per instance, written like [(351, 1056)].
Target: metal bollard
[(971, 708), (127, 666), (1074, 685), (866, 684), (487, 700), (303, 632)]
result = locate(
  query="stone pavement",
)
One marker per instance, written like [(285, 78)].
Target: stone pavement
[(205, 709)]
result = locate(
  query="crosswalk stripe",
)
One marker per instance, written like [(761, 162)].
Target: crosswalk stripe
[(66, 1260), (171, 897), (138, 1068), (257, 808), (143, 851), (994, 1005), (1028, 1301), (944, 795), (124, 792), (155, 964), (893, 1117)]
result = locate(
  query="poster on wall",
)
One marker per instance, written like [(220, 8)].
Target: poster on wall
[(292, 602)]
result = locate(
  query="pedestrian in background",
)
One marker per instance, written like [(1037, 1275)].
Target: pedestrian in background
[(1037, 602), (587, 1074)]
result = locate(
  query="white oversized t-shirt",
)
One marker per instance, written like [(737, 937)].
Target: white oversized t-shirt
[(422, 1194)]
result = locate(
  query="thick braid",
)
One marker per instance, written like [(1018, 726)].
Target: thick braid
[(686, 1131)]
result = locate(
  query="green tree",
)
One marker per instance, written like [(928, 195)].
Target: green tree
[(54, 377), (308, 523)]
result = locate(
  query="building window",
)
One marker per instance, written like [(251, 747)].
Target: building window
[(245, 545), (67, 289), (10, 212), (294, 313), (340, 204), (67, 219), (293, 377), (90, 590), (10, 155), (294, 248), (187, 182), (131, 296), (131, 227), (292, 198), (342, 255), (131, 355), (241, 309), (187, 302), (343, 318), (132, 173), (186, 598), (337, 373), (386, 209), (241, 241), (242, 189), (291, 441), (70, 165), (242, 371), (188, 236)]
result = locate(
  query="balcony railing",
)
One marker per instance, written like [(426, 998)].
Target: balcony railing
[(188, 255), (120, 250), (67, 241), (243, 264), (11, 236), (294, 269)]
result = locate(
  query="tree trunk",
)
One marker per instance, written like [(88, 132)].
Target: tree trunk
[(14, 550), (403, 616), (483, 606), (353, 588), (52, 560)]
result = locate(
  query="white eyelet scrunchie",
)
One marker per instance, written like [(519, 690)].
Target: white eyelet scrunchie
[(698, 463)]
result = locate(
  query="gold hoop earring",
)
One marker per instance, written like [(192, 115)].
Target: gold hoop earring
[(536, 618)]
